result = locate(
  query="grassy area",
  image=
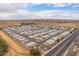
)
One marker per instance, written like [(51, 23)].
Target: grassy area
[(3, 47)]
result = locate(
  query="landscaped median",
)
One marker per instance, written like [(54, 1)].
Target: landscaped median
[(14, 45)]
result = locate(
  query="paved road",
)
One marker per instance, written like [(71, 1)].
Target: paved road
[(72, 46), (59, 49)]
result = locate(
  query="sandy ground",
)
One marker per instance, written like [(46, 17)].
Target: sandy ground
[(42, 23), (17, 48)]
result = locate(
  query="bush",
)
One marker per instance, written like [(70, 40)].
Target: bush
[(3, 47), (35, 52), (57, 40)]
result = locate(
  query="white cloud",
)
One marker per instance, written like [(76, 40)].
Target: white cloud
[(55, 14), (8, 11), (5, 14), (18, 11), (59, 4), (11, 7)]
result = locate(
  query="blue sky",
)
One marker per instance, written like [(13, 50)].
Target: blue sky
[(39, 11), (42, 7)]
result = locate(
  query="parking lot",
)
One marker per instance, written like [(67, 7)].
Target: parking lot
[(34, 35)]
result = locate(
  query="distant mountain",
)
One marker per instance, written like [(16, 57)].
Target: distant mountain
[(54, 20)]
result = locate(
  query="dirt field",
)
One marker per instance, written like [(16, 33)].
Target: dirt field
[(41, 22), (19, 50)]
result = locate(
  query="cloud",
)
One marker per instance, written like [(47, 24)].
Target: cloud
[(11, 7), (20, 11), (59, 4), (56, 14), (8, 11)]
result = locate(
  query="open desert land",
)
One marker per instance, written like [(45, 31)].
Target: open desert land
[(54, 23)]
